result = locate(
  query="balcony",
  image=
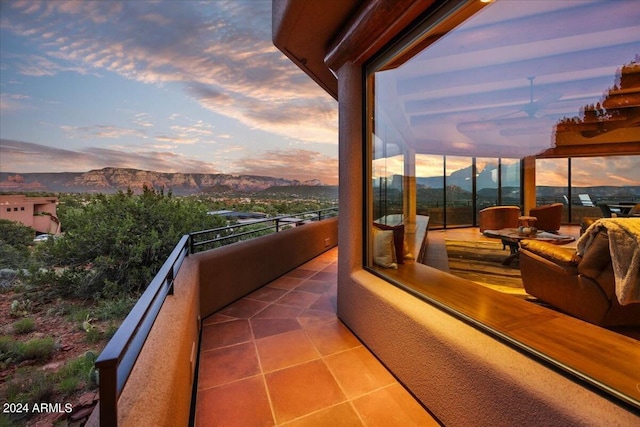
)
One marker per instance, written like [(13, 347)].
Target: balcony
[(261, 316), (280, 356)]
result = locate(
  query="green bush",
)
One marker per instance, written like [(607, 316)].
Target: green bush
[(32, 385), (76, 374), (93, 335), (114, 309), (38, 349), (9, 350), (14, 244), (24, 326), (13, 351), (114, 245)]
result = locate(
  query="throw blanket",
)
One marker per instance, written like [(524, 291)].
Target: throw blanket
[(624, 246)]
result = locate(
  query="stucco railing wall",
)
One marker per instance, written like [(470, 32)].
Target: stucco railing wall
[(231, 272), (159, 390)]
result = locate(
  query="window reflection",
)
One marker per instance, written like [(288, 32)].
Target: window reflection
[(552, 186), (520, 104), (430, 188), (459, 179)]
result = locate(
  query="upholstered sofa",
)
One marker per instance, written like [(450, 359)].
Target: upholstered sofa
[(548, 217), (498, 217), (582, 282)]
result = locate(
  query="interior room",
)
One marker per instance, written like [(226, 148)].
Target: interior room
[(519, 123), (501, 142)]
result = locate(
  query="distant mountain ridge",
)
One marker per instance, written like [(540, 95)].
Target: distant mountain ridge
[(111, 180)]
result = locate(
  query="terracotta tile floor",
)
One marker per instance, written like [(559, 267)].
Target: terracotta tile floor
[(281, 357)]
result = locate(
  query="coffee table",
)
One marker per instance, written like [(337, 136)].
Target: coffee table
[(512, 237)]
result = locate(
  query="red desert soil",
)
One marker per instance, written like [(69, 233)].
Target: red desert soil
[(70, 339)]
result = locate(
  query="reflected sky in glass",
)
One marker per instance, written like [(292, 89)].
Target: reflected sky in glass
[(500, 84)]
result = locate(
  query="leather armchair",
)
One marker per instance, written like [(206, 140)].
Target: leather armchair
[(583, 288), (498, 217), (548, 217)]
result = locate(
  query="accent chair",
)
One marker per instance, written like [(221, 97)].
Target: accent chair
[(548, 217), (581, 284), (498, 217), (635, 211)]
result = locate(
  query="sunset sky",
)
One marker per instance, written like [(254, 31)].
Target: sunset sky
[(187, 86), (176, 86)]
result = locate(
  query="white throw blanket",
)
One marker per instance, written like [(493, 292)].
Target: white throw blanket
[(624, 246)]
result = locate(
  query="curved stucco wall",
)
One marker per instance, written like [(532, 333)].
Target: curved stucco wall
[(462, 375)]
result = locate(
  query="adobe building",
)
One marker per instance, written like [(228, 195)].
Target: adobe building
[(38, 213)]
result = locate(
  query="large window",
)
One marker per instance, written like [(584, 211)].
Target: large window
[(587, 186), (504, 103)]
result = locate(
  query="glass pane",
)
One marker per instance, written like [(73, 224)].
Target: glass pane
[(465, 103), (459, 191), (487, 181), (387, 188), (609, 183), (510, 192), (552, 180), (430, 188)]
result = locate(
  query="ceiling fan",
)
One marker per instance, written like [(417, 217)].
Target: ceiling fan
[(515, 118)]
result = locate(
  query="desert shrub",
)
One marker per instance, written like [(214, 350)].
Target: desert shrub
[(113, 309), (10, 350), (30, 385), (76, 374), (115, 244), (24, 326), (14, 351), (93, 335), (8, 276), (33, 385), (15, 239), (20, 307), (16, 234), (38, 349)]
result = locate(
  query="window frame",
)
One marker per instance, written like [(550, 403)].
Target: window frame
[(447, 16)]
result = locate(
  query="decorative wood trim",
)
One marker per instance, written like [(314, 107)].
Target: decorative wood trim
[(584, 150), (373, 26), (568, 343)]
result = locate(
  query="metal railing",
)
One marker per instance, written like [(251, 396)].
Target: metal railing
[(118, 358), (210, 239)]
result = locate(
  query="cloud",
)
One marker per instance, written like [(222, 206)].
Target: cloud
[(23, 157), (142, 120), (292, 164), (220, 51), (12, 101), (589, 171), (101, 131)]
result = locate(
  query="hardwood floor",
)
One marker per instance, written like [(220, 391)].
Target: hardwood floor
[(603, 357), (437, 253)]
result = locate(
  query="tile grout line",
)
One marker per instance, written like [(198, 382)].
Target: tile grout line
[(262, 373)]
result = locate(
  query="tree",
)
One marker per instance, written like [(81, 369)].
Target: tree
[(15, 239), (115, 244)]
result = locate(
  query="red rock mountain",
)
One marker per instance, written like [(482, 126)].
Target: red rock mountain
[(110, 180)]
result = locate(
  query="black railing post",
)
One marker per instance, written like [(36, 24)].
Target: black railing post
[(108, 374), (170, 277)]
